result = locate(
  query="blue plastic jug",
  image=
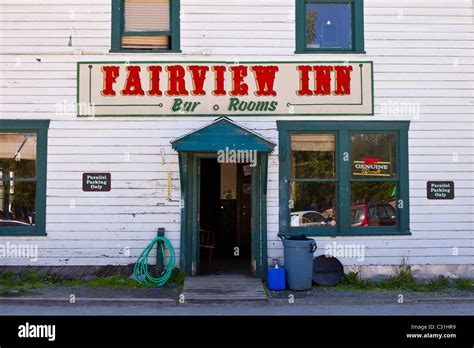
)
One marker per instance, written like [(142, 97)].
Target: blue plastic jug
[(276, 278)]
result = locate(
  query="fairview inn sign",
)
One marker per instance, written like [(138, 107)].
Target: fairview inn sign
[(218, 88)]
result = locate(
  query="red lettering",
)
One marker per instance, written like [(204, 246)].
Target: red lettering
[(265, 78), (304, 80), (176, 82), (198, 74), (154, 88), (111, 73), (133, 85), (239, 87), (219, 87), (343, 80), (323, 79)]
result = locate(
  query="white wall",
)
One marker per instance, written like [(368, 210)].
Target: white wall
[(422, 51)]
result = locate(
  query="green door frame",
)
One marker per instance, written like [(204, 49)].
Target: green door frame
[(189, 163)]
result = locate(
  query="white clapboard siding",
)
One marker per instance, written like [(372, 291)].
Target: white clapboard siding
[(423, 54)]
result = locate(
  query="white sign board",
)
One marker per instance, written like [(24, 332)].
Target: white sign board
[(231, 89)]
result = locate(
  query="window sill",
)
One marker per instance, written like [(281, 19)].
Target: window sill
[(331, 52), (352, 233), (146, 51), (13, 233)]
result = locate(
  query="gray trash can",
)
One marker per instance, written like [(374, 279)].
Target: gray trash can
[(298, 253)]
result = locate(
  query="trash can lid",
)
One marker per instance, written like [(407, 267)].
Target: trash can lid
[(327, 271), (298, 237)]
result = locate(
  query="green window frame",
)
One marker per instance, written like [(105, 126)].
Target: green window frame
[(357, 27), (118, 25), (343, 131), (40, 128)]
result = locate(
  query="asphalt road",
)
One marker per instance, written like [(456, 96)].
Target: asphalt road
[(458, 308)]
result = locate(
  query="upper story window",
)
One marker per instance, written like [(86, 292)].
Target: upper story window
[(329, 26), (23, 177), (145, 26)]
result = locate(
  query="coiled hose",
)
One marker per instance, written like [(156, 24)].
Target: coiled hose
[(140, 271)]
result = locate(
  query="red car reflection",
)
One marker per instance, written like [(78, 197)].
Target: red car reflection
[(378, 214)]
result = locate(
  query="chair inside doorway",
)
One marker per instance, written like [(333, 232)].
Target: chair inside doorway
[(207, 243), (224, 217)]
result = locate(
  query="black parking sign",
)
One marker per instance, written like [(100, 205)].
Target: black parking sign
[(440, 189), (96, 182)]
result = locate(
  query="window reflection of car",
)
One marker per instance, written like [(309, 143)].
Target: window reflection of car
[(330, 215), (13, 223), (307, 218), (379, 214)]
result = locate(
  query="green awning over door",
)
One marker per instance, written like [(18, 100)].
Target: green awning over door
[(221, 134)]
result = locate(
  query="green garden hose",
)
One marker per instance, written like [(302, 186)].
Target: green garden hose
[(140, 271)]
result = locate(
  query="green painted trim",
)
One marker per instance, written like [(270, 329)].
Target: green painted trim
[(218, 115), (228, 62), (118, 29), (357, 28), (383, 179), (284, 167), (14, 233), (126, 105), (144, 51), (90, 84), (360, 233), (327, 126), (312, 180), (41, 175), (23, 125), (189, 162), (196, 204), (189, 214), (326, 51), (40, 127), (300, 26), (78, 78), (182, 159), (175, 23), (17, 230), (329, 1), (373, 88), (403, 184), (263, 214), (343, 211), (343, 173), (255, 221)]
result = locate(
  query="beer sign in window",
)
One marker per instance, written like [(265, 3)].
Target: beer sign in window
[(374, 155), (373, 179)]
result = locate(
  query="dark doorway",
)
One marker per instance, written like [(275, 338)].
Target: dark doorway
[(224, 218)]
